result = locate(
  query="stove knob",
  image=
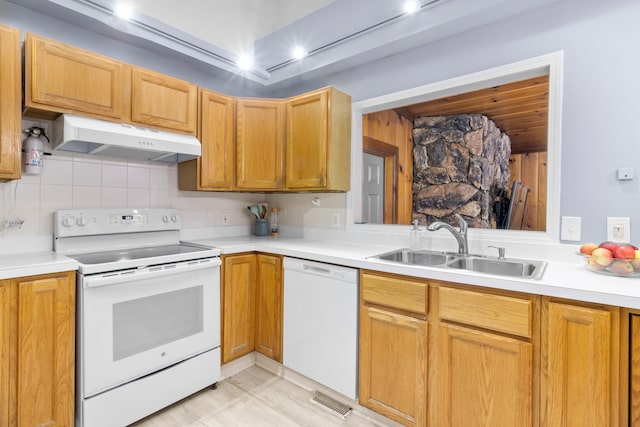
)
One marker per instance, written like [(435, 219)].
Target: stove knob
[(165, 218), (67, 222), (174, 218), (82, 221)]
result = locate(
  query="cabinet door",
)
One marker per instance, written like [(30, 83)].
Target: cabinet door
[(577, 385), (6, 322), (393, 365), (307, 137), (163, 101), (238, 306), (214, 170), (65, 79), (269, 306), (260, 144), (486, 379), (10, 98), (634, 370), (46, 319)]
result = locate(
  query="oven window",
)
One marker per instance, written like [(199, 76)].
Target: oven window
[(146, 323)]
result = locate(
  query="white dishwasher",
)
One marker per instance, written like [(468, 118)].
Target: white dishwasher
[(321, 323)]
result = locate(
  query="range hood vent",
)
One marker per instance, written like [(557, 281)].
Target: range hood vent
[(100, 137)]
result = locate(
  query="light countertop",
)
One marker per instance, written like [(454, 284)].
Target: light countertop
[(30, 264), (569, 279), (561, 279)]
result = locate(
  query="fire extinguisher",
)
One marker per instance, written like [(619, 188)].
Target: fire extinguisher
[(33, 150)]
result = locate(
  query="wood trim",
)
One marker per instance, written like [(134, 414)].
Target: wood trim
[(390, 154)]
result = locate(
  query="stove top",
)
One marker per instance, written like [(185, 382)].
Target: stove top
[(138, 254)]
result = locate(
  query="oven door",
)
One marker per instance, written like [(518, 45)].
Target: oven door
[(136, 322)]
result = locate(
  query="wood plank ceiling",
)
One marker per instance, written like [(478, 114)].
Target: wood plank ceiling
[(520, 109)]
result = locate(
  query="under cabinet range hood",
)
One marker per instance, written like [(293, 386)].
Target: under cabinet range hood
[(92, 136)]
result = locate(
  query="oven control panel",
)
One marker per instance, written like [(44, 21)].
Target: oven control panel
[(86, 222)]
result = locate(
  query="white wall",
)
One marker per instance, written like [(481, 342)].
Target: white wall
[(601, 87)]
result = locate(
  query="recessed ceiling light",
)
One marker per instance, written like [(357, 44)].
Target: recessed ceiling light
[(411, 6), (299, 52), (123, 11), (245, 62)]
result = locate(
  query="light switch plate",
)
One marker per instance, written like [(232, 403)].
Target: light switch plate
[(619, 229), (571, 228)]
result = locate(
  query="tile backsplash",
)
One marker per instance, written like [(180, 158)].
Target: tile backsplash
[(77, 181)]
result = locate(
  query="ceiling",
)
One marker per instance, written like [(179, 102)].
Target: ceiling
[(338, 34), (231, 25), (520, 109)]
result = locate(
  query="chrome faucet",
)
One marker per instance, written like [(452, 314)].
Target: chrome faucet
[(460, 234)]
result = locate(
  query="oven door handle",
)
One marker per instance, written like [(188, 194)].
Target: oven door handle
[(143, 273)]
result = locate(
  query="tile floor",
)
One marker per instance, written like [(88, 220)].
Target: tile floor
[(254, 397)]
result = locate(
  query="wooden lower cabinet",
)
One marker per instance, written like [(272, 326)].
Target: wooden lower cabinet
[(444, 354), (269, 306), (393, 365), (6, 368), (37, 350), (630, 359), (393, 347), (487, 378), (251, 305), (483, 346), (238, 301), (580, 365)]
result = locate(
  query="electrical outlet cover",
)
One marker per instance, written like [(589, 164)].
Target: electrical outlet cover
[(619, 229)]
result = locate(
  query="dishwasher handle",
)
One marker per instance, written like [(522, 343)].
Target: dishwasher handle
[(317, 270), (337, 272)]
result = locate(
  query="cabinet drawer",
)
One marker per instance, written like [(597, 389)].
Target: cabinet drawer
[(394, 292), (497, 312)]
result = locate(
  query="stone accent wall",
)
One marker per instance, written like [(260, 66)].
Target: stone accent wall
[(460, 165)]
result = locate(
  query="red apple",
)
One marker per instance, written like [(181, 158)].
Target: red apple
[(608, 245), (587, 248), (602, 256), (622, 268), (624, 252)]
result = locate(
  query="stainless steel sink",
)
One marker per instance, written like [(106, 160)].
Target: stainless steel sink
[(410, 257), (500, 267), (476, 263)]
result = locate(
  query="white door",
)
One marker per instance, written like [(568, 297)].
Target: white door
[(373, 189)]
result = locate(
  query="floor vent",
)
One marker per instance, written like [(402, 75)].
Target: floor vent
[(333, 406)]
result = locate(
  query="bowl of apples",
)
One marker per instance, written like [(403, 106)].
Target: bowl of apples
[(617, 259)]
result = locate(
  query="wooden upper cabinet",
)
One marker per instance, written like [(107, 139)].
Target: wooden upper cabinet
[(64, 79), (10, 98), (260, 136), (163, 101), (318, 141), (60, 78), (214, 170)]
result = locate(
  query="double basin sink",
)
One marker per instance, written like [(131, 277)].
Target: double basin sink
[(477, 263)]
